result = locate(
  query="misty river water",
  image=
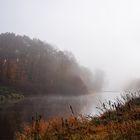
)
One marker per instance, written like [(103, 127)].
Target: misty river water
[(12, 116)]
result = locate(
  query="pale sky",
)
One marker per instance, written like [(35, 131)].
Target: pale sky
[(102, 34)]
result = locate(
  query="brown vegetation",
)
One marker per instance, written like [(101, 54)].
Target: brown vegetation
[(118, 121)]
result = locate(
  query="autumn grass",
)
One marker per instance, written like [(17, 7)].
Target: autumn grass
[(117, 121)]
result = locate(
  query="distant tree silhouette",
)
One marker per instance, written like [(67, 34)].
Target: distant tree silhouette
[(36, 66)]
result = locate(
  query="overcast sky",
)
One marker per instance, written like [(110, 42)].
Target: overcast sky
[(103, 34)]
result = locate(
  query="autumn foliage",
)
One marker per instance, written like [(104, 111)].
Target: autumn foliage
[(121, 120), (37, 67)]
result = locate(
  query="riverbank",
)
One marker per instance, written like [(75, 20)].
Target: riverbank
[(9, 95), (117, 121)]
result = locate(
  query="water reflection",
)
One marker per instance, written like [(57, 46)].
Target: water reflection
[(13, 116)]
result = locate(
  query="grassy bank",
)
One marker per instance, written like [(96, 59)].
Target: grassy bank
[(117, 121), (9, 95)]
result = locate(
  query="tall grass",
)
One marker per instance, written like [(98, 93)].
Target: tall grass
[(118, 120)]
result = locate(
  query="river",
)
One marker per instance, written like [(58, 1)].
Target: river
[(13, 115)]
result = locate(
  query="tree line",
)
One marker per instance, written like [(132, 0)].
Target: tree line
[(38, 68)]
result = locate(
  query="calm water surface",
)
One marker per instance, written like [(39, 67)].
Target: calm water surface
[(13, 116)]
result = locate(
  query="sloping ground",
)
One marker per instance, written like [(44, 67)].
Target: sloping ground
[(117, 121)]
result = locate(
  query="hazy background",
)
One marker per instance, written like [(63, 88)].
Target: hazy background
[(102, 34)]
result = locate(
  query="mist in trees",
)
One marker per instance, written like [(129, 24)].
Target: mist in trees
[(38, 68), (133, 85)]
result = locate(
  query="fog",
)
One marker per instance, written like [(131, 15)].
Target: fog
[(101, 34), (103, 38)]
